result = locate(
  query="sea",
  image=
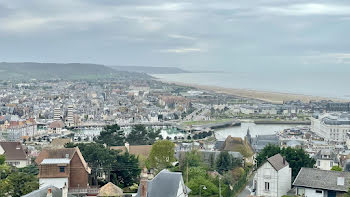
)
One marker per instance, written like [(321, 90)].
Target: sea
[(324, 84)]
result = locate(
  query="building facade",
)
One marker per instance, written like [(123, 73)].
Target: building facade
[(273, 178), (331, 126)]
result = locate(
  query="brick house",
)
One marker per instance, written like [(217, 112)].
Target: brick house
[(58, 167)]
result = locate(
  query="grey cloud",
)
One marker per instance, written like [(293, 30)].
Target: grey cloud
[(243, 34)]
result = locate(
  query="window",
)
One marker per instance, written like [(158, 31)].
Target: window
[(318, 163), (331, 163), (319, 191), (267, 186), (61, 168)]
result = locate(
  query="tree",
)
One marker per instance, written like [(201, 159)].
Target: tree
[(31, 169), (296, 157), (122, 168), (191, 159), (18, 184), (226, 162), (140, 135), (337, 168), (111, 136), (200, 181), (2, 159), (126, 170), (162, 155)]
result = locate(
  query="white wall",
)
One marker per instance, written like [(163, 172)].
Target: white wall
[(266, 173), (325, 164), (312, 193), (57, 182), (284, 180), (180, 191), (18, 163), (280, 182)]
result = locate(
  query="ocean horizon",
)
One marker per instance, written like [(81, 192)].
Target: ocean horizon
[(323, 84)]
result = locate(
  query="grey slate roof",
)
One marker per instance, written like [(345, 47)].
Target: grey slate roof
[(322, 179), (56, 192), (277, 162), (165, 184), (331, 155), (260, 141)]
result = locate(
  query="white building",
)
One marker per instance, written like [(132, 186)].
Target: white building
[(331, 126), (326, 159), (273, 178), (70, 116), (312, 182), (14, 154), (57, 114)]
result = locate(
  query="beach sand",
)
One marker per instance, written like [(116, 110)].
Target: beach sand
[(272, 97)]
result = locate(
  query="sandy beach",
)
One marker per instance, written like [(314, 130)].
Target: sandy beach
[(272, 97)]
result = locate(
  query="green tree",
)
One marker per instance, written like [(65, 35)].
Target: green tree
[(296, 157), (226, 162), (31, 169), (162, 155), (18, 184), (140, 135), (111, 136), (2, 159), (337, 168), (123, 168), (126, 170), (191, 159), (197, 184)]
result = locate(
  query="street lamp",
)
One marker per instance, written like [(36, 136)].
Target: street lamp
[(200, 189)]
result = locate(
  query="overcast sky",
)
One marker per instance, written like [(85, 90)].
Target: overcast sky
[(191, 34)]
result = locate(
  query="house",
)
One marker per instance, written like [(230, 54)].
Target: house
[(137, 150), (237, 144), (51, 191), (326, 159), (169, 184), (110, 190), (312, 182), (273, 178), (14, 153), (260, 141), (56, 126), (59, 167)]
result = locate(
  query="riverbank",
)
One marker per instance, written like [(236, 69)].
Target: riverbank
[(297, 122), (272, 97)]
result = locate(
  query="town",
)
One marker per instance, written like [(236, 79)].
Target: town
[(143, 137)]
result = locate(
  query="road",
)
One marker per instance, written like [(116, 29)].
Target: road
[(246, 192)]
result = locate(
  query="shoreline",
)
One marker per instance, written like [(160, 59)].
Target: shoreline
[(267, 96)]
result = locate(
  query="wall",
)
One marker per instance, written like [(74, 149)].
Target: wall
[(284, 180), (266, 173), (325, 164), (312, 193), (18, 163), (78, 174), (57, 182)]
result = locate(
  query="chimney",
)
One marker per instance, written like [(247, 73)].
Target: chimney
[(284, 161), (49, 192), (127, 146), (65, 190), (144, 183)]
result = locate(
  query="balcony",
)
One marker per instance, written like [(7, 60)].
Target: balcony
[(89, 190)]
